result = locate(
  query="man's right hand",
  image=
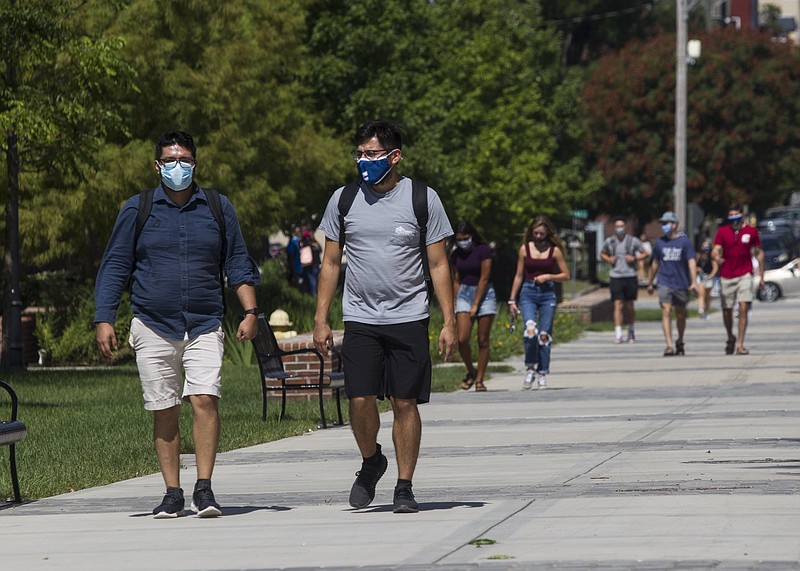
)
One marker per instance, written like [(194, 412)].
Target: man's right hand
[(323, 337), (106, 339)]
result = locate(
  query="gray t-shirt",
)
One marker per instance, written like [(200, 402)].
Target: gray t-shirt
[(630, 245), (384, 283)]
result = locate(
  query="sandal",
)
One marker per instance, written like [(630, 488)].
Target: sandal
[(730, 345), (480, 387), (468, 381), (742, 351), (679, 348), (668, 352)]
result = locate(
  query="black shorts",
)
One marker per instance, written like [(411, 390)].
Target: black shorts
[(625, 289), (387, 360)]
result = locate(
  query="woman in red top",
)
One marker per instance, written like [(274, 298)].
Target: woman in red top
[(540, 264)]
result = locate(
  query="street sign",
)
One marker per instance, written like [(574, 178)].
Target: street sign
[(582, 213)]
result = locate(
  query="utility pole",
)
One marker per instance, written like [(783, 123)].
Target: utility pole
[(683, 8), (682, 18)]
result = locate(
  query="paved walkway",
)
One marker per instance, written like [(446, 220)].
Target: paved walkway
[(628, 461)]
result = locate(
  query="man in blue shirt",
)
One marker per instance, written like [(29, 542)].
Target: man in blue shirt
[(674, 262), (177, 300)]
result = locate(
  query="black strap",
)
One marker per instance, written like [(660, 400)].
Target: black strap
[(214, 205), (419, 198), (345, 202)]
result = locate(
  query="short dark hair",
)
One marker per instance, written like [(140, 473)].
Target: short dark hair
[(176, 138), (387, 132), (735, 206)]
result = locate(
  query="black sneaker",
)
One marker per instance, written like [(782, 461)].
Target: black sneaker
[(363, 491), (203, 502), (679, 349), (171, 506), (404, 502)]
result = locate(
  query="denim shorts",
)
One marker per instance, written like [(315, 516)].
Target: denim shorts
[(466, 295)]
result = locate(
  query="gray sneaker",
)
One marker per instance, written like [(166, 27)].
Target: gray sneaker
[(404, 502), (363, 491), (528, 382)]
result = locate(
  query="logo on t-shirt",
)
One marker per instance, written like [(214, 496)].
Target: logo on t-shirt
[(400, 231), (746, 239)]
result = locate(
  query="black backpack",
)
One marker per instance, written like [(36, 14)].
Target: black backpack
[(419, 200), (214, 204)]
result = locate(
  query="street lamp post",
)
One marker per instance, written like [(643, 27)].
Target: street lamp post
[(683, 8)]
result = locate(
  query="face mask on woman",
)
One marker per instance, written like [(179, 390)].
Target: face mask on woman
[(464, 244)]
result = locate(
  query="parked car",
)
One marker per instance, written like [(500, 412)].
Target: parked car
[(791, 214), (779, 248), (781, 282)]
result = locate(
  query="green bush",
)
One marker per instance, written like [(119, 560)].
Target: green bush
[(66, 327)]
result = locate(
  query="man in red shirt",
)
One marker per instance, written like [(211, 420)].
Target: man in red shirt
[(735, 245)]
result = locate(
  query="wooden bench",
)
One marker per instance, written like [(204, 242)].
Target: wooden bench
[(11, 432)]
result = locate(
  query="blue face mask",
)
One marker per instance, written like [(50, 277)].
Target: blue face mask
[(374, 171), (178, 177), (666, 228), (734, 219)]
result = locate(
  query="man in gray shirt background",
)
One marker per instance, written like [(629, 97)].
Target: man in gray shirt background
[(623, 251), (385, 306)]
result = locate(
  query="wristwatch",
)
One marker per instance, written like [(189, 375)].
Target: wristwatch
[(253, 311)]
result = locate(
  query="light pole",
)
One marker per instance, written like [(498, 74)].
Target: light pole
[(683, 8)]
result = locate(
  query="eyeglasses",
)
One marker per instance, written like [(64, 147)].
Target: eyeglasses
[(170, 163), (370, 154)]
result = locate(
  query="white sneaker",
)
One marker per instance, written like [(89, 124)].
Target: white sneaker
[(542, 382), (618, 340), (528, 382)]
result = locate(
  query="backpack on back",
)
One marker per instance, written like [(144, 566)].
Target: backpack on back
[(419, 200)]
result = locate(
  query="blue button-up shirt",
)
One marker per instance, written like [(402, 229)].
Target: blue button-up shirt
[(174, 272)]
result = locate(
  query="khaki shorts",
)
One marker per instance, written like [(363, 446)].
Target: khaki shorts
[(161, 361), (733, 290)]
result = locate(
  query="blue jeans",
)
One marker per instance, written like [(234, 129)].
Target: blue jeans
[(537, 302)]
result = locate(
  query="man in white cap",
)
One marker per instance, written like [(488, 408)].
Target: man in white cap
[(674, 263)]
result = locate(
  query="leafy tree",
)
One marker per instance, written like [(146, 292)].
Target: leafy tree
[(743, 143), (55, 110), (488, 111)]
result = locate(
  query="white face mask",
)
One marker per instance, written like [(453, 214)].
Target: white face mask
[(620, 232), (464, 244), (178, 177)]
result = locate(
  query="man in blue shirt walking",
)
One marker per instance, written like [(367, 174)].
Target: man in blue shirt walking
[(674, 262), (173, 267)]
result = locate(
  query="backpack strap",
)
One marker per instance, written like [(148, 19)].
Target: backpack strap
[(145, 206), (345, 202), (419, 199)]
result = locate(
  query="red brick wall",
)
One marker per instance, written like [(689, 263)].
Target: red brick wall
[(306, 362)]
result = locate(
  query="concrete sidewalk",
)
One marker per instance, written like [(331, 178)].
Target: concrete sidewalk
[(629, 460)]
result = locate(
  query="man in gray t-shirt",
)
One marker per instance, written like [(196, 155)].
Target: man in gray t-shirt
[(623, 251), (385, 306)]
